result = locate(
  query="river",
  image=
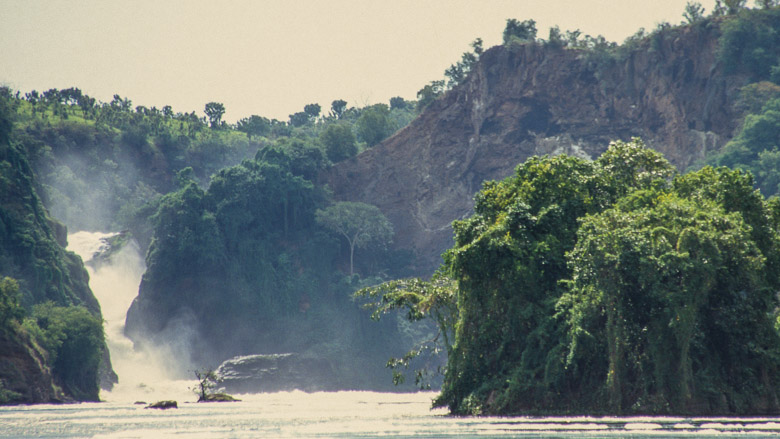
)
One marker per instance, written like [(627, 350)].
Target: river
[(340, 415), (143, 378)]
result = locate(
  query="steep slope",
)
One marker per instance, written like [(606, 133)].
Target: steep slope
[(24, 376), (32, 251), (534, 99)]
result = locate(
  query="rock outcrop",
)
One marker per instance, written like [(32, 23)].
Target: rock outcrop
[(533, 99), (163, 405), (25, 377), (275, 373)]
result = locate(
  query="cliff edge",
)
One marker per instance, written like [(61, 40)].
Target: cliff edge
[(534, 99)]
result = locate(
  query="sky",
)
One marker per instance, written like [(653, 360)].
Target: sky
[(272, 57)]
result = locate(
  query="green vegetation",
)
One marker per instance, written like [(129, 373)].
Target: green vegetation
[(749, 45), (750, 42), (146, 170), (257, 264), (74, 339), (116, 160), (339, 142), (207, 382), (419, 300), (607, 287), (604, 286), (359, 223), (41, 279), (10, 309)]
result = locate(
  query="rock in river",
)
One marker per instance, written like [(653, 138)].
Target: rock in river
[(274, 373), (162, 405)]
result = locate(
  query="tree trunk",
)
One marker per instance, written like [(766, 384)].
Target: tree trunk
[(351, 254)]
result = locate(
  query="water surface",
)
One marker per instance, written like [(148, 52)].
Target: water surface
[(342, 415)]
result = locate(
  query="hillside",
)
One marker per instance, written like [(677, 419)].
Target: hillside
[(58, 353), (534, 99)]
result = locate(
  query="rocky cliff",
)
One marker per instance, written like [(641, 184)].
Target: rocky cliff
[(25, 377), (534, 99)]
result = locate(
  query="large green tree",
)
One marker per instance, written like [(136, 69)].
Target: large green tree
[(254, 125), (359, 223), (214, 111), (667, 289), (374, 124), (339, 142), (610, 286)]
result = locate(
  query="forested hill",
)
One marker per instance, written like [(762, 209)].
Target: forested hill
[(684, 90), (52, 347)]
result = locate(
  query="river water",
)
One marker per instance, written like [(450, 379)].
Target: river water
[(340, 415), (143, 378)]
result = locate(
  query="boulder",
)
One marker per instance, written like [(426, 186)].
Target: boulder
[(275, 373), (218, 397), (163, 405)]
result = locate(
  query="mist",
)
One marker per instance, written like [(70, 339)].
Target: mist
[(144, 372)]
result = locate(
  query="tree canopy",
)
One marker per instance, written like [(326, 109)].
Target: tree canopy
[(612, 286), (214, 111), (359, 223)]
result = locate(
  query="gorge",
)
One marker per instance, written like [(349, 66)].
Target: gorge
[(239, 264)]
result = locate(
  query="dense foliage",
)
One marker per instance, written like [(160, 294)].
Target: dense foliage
[(36, 269), (116, 160), (74, 340), (749, 45), (608, 286), (250, 238), (258, 263)]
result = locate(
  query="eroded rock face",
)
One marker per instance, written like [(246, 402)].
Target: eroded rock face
[(24, 376), (275, 373), (533, 100)]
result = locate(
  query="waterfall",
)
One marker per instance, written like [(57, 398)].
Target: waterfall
[(114, 281)]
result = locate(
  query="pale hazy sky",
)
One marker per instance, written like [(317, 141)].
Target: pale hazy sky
[(272, 57)]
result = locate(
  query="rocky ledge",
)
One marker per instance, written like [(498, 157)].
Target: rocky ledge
[(275, 373)]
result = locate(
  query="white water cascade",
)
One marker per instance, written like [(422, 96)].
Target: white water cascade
[(142, 374)]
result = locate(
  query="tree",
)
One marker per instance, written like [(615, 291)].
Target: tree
[(207, 381), (754, 148), (359, 223), (420, 299), (457, 72), (312, 110), (519, 31), (10, 309), (339, 142), (337, 108), (74, 340), (476, 45), (734, 6), (254, 126), (555, 38), (374, 124), (397, 103), (694, 12), (429, 93), (299, 119), (214, 111), (673, 282)]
